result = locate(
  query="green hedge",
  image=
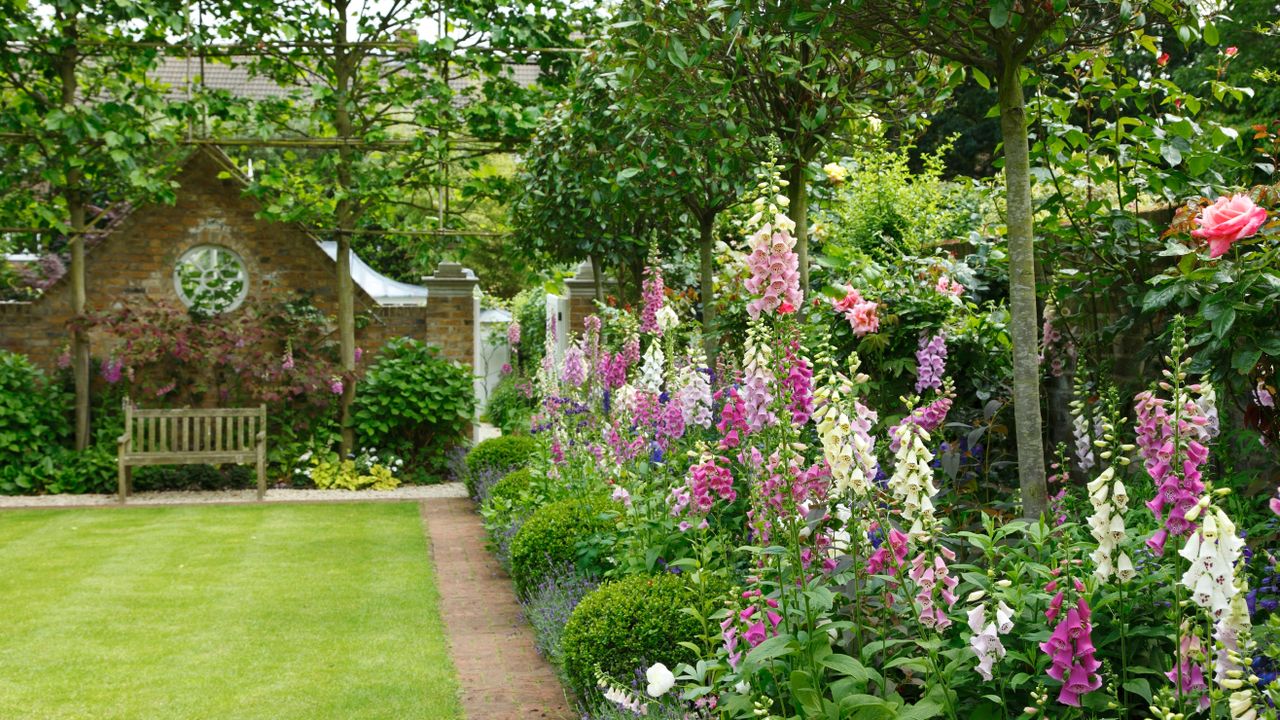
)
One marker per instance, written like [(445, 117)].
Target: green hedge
[(550, 538), (627, 625)]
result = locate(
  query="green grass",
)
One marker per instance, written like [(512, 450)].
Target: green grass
[(254, 612)]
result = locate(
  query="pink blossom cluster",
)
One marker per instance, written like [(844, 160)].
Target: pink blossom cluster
[(757, 397), (861, 313), (934, 578), (733, 420), (574, 370), (931, 362), (513, 333), (948, 286), (112, 370), (926, 417), (1188, 676), (879, 561), (708, 481), (670, 425), (775, 273), (1173, 466), (783, 489), (624, 449), (799, 381), (611, 368), (652, 298), (752, 625), (1070, 647)]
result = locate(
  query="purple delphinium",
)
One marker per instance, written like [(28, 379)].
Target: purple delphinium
[(550, 604), (931, 362)]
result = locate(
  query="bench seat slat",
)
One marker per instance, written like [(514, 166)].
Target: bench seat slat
[(189, 458)]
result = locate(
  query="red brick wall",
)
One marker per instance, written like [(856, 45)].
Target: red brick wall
[(136, 262)]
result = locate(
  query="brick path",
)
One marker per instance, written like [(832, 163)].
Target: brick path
[(501, 675)]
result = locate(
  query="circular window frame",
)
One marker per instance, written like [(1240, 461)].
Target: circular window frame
[(194, 250)]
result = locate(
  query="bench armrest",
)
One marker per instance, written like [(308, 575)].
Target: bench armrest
[(124, 441)]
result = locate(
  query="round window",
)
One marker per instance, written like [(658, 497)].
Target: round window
[(211, 279)]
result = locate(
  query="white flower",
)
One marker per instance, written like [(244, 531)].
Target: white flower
[(912, 479), (651, 373), (1213, 551), (660, 680), (667, 318)]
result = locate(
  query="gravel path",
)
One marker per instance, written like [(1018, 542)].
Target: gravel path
[(232, 497)]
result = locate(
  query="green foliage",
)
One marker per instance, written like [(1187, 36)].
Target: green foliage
[(501, 453), (33, 425), (530, 309), (414, 404), (193, 477), (508, 408), (510, 487), (551, 538), (626, 625), (329, 474), (886, 209)]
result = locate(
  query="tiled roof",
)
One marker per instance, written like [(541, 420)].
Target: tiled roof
[(236, 79)]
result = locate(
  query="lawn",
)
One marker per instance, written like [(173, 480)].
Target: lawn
[(314, 611)]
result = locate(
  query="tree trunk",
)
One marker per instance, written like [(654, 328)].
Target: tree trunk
[(74, 197), (798, 211), (346, 222), (1022, 293), (707, 291)]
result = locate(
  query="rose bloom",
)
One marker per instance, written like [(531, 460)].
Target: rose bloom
[(1228, 220)]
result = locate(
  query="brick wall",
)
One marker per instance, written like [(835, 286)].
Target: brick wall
[(136, 261)]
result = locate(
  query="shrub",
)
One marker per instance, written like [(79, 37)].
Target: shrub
[(194, 477), (625, 625), (508, 409), (414, 404), (33, 423), (550, 538), (509, 488), (501, 454)]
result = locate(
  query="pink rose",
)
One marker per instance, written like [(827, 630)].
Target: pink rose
[(863, 318), (1274, 504), (1228, 220)]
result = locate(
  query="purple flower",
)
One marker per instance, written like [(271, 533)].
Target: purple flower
[(335, 386), (112, 370), (931, 360)]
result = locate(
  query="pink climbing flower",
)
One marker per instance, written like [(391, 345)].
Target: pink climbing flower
[(861, 313), (335, 386), (513, 333), (112, 370)]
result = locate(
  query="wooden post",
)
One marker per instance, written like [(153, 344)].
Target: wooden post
[(262, 451), (125, 444)]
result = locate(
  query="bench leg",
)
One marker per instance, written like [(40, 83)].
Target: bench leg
[(122, 481), (262, 474)]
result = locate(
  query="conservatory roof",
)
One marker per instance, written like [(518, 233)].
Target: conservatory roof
[(381, 288)]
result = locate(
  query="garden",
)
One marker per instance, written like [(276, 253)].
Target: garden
[(792, 361)]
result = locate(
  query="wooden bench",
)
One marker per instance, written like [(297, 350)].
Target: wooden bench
[(192, 436)]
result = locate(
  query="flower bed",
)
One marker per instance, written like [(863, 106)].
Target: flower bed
[(775, 545)]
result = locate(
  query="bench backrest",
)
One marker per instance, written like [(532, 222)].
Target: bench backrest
[(193, 430)]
